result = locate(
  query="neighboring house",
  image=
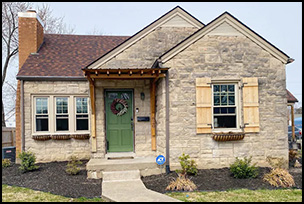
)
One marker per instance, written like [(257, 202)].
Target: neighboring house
[(214, 91)]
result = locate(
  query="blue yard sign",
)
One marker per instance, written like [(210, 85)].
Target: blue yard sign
[(160, 160)]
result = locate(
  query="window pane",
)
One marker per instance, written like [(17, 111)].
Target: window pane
[(42, 124), (231, 100), (125, 96), (62, 124), (216, 110), (231, 88), (216, 100), (224, 110), (223, 100), (62, 105), (231, 110), (216, 88), (41, 105), (112, 95), (82, 124), (223, 88), (81, 105), (224, 121)]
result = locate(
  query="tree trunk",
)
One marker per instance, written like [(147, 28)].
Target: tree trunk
[(3, 116)]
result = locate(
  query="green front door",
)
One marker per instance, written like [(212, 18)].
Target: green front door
[(119, 120)]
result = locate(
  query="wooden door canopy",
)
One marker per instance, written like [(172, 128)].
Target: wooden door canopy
[(148, 73)]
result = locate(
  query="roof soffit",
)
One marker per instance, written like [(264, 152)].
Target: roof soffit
[(176, 12), (234, 23)]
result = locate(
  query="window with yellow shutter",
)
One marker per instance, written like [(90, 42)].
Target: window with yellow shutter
[(218, 105)]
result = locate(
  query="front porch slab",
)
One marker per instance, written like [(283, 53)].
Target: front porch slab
[(146, 165)]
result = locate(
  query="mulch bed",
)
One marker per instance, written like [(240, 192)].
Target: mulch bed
[(219, 180), (51, 177)]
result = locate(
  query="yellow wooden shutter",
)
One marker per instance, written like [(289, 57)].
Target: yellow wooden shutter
[(203, 105), (251, 104)]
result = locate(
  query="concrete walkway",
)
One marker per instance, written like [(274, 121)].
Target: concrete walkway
[(126, 186)]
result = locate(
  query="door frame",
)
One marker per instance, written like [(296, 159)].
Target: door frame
[(105, 114)]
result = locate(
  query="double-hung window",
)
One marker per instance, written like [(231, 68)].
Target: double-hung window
[(62, 114), (82, 116), (41, 114), (227, 105), (224, 106)]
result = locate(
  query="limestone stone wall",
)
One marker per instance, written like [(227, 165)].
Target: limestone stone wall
[(144, 52), (226, 57), (142, 129), (53, 150)]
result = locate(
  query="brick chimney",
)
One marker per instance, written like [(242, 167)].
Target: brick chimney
[(30, 29), (30, 34)]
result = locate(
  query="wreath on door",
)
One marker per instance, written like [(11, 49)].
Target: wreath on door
[(119, 106)]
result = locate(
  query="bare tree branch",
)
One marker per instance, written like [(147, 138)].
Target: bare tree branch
[(10, 32)]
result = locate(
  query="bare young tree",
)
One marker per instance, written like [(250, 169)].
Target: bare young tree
[(10, 33)]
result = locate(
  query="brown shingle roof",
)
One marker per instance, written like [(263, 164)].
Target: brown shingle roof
[(66, 55), (291, 98)]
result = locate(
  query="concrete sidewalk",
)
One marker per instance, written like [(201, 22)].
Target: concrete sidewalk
[(126, 186)]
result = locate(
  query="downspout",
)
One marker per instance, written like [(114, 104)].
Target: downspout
[(22, 115), (167, 125)]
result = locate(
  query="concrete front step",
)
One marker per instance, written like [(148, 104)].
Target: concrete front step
[(146, 165), (116, 176)]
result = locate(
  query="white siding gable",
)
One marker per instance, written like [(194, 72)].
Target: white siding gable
[(225, 29)]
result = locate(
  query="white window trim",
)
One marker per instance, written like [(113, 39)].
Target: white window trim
[(55, 115), (34, 114), (237, 83), (52, 114), (75, 112)]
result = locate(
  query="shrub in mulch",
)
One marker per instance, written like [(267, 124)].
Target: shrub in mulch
[(279, 177), (73, 166), (52, 177), (181, 183), (242, 168)]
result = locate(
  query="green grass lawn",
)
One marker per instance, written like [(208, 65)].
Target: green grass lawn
[(242, 195), (19, 194)]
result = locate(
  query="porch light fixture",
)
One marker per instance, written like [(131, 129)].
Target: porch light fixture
[(142, 96)]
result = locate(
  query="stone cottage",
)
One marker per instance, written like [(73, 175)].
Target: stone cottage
[(214, 91)]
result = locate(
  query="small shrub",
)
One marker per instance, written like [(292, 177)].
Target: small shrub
[(72, 166), (188, 166), (243, 169), (279, 177), (6, 163), (181, 184), (28, 160)]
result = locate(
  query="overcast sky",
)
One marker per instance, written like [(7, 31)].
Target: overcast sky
[(280, 23)]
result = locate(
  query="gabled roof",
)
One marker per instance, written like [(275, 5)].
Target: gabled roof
[(291, 98), (177, 13), (65, 55), (237, 25)]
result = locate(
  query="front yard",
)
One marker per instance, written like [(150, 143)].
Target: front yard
[(241, 195), (19, 194), (51, 183)]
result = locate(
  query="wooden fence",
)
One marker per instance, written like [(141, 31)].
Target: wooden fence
[(8, 136)]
